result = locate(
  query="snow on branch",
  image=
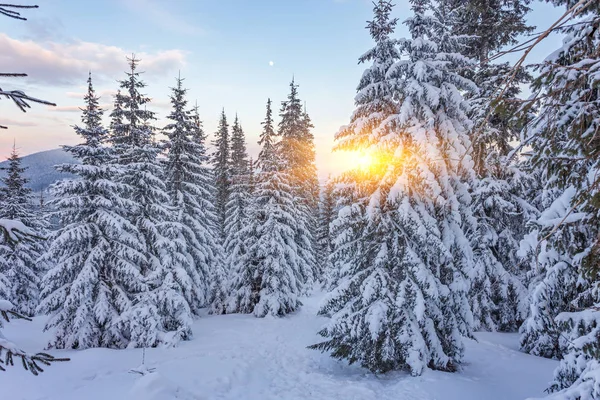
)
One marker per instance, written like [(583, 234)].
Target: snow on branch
[(9, 351), (19, 97), (14, 231), (8, 10)]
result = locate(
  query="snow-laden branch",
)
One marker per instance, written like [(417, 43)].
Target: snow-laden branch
[(13, 231), (9, 10), (9, 351), (19, 97)]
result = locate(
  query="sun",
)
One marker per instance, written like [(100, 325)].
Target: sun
[(364, 161)]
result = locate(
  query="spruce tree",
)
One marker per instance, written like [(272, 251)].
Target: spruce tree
[(268, 279), (564, 318), (327, 208), (501, 210), (402, 302), (245, 283), (346, 229), (490, 26), (296, 150), (239, 198), (22, 269), (96, 254), (189, 184), (221, 171), (160, 312), (217, 294)]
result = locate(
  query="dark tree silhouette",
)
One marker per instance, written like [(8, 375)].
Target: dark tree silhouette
[(19, 97)]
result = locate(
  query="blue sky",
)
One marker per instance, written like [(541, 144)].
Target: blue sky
[(222, 48)]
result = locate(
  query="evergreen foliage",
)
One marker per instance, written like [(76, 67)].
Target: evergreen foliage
[(498, 296), (327, 209), (159, 312), (221, 172), (96, 253), (565, 153), (268, 279), (402, 304), (189, 185), (297, 155), (239, 200), (19, 259)]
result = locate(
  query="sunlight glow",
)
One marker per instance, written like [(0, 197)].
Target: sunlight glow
[(364, 161)]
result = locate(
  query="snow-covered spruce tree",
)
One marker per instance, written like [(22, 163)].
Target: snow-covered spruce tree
[(189, 184), (297, 153), (268, 279), (160, 311), (403, 303), (374, 101), (21, 266), (239, 199), (490, 26), (12, 231), (327, 209), (346, 230), (220, 161), (96, 253), (245, 282), (498, 295), (564, 320), (217, 294)]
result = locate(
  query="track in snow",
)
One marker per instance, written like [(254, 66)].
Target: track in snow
[(244, 358)]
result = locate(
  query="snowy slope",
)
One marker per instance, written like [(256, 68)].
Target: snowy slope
[(242, 357), (40, 168)]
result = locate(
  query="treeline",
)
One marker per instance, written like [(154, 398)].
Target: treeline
[(151, 231)]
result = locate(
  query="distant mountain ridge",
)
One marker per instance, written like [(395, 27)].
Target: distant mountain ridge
[(40, 168)]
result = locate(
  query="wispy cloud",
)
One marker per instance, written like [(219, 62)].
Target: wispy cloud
[(162, 16), (103, 94), (106, 106), (14, 122), (44, 29), (56, 63)]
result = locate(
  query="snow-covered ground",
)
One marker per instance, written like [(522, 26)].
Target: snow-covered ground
[(246, 358)]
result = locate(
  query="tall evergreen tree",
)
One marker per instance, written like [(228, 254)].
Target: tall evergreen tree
[(160, 312), (268, 279), (20, 258), (96, 253), (402, 301), (490, 26), (221, 172), (327, 209), (189, 184), (217, 294), (498, 295), (297, 154), (239, 197), (564, 317)]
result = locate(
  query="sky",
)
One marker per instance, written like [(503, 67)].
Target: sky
[(233, 54)]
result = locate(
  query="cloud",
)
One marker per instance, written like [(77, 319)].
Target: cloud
[(55, 63), (41, 28), (103, 94), (13, 122), (76, 108), (162, 16), (160, 103)]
